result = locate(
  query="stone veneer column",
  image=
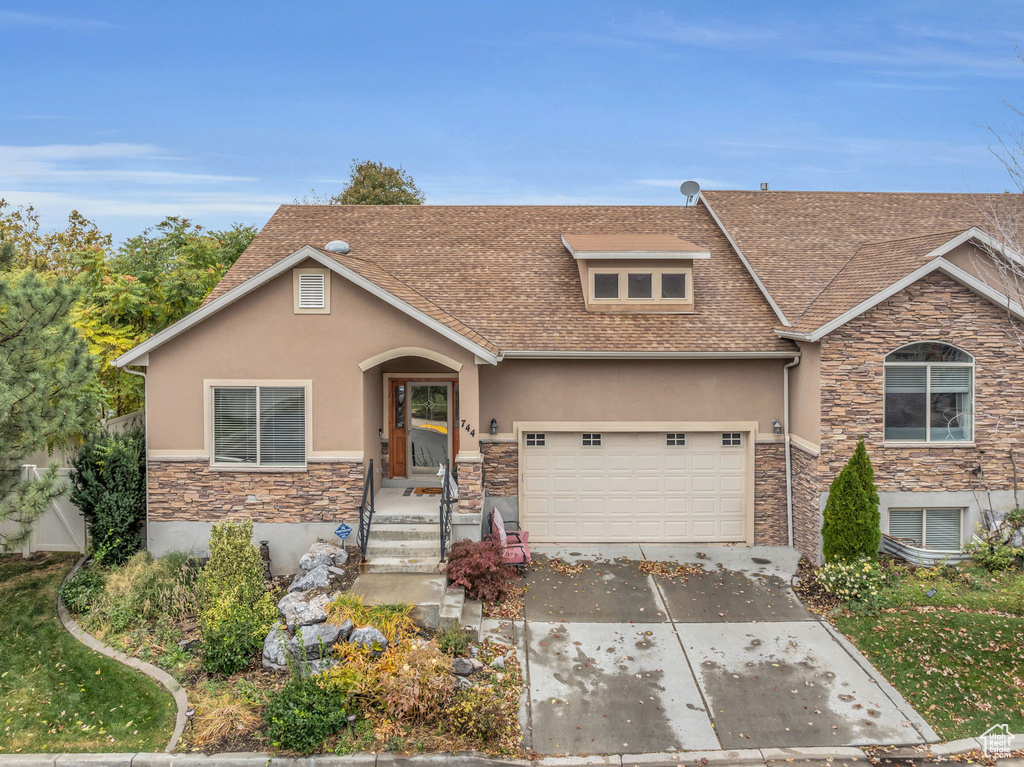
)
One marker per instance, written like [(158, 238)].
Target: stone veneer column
[(770, 514), (471, 487)]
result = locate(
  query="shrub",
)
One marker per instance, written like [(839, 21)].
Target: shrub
[(303, 714), (144, 589), (393, 621), (235, 612), (851, 528), (454, 640), (994, 555), (858, 580), (487, 715), (109, 486), (80, 591), (480, 567), (221, 713)]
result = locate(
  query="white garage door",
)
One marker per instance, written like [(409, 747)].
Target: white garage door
[(634, 486)]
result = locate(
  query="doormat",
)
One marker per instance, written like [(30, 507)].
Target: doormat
[(427, 491)]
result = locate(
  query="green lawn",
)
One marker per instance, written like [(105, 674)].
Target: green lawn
[(55, 693)]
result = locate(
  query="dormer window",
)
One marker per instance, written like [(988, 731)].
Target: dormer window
[(635, 273)]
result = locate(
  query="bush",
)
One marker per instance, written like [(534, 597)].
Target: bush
[(858, 580), (144, 589), (454, 640), (109, 486), (80, 591), (303, 714), (486, 715), (852, 525), (235, 612), (480, 567), (994, 555), (393, 621)]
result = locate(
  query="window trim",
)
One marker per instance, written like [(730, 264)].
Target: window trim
[(325, 273), (928, 441), (656, 273), (924, 523), (210, 384)]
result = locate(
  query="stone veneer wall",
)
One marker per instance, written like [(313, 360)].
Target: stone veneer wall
[(770, 522), (385, 460), (806, 503), (501, 468), (471, 487), (190, 491), (936, 308)]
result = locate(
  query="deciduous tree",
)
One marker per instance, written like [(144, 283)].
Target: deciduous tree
[(372, 183)]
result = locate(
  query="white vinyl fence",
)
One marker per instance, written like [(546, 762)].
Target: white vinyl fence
[(61, 528)]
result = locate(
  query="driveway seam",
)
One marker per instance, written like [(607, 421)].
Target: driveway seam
[(682, 648), (527, 683)]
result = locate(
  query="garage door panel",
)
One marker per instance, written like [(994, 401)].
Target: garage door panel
[(634, 487)]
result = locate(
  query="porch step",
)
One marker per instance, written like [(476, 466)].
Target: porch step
[(404, 518), (452, 605), (473, 617), (428, 481), (404, 532), (404, 549), (402, 565)]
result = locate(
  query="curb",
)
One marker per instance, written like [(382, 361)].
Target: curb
[(154, 673), (750, 756)]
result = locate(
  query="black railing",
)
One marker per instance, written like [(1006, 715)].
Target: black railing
[(366, 511), (448, 500)]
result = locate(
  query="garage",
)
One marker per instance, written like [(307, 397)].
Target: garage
[(600, 486)]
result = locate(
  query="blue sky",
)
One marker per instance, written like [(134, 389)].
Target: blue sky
[(220, 111)]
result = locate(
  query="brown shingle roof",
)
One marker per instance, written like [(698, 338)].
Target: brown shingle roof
[(503, 272), (796, 242)]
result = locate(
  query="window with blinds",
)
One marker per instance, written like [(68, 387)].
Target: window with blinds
[(937, 529), (930, 400), (312, 291), (259, 425)]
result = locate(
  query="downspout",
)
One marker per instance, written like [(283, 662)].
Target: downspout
[(145, 426), (789, 460)]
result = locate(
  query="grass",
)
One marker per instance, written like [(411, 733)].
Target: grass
[(961, 671), (56, 695), (966, 587)]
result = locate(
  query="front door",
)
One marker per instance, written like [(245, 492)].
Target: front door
[(429, 425)]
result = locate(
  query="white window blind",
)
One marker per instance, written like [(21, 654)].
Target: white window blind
[(937, 529), (260, 425), (312, 291), (906, 380), (950, 380), (907, 525)]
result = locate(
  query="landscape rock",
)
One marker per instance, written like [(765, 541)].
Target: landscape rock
[(462, 666), (462, 683), (319, 666), (370, 638), (477, 665), (323, 554), (317, 578), (188, 644), (498, 662), (275, 652), (313, 642), (336, 571)]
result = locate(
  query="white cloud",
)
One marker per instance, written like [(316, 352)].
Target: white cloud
[(673, 183), (17, 20)]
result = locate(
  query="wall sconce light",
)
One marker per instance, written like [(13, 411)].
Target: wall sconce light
[(380, 433), (494, 426), (776, 426)]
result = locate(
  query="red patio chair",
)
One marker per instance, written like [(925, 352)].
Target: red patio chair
[(514, 543)]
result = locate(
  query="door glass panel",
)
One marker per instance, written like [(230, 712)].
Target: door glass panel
[(428, 425), (399, 406)]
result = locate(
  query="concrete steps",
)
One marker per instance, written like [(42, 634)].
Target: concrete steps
[(402, 565), (403, 549), (413, 531)]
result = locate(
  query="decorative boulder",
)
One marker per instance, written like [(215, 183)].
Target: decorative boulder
[(319, 666), (462, 683), (275, 652), (312, 642), (370, 639), (462, 666), (323, 553), (317, 578), (498, 662)]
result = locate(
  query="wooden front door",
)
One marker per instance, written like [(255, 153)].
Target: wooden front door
[(399, 418)]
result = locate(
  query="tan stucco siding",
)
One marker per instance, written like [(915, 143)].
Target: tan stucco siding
[(978, 263), (259, 337), (805, 394), (631, 390)]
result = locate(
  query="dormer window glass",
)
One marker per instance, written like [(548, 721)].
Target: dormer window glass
[(606, 285), (639, 285), (673, 285)]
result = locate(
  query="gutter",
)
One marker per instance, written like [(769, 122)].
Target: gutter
[(626, 355), (145, 426), (789, 449)]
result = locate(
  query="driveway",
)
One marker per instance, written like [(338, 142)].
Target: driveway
[(620, 661)]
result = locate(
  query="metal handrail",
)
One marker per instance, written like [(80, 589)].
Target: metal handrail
[(447, 502), (366, 511)]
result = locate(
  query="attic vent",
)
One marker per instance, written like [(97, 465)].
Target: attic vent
[(337, 246), (312, 291)]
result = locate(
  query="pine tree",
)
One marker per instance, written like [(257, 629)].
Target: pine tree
[(851, 526), (47, 389)]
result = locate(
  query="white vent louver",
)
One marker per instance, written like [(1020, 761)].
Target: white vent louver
[(312, 291)]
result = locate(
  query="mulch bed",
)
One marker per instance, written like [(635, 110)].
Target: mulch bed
[(811, 592)]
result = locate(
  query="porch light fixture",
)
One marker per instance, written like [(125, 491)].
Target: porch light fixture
[(494, 426), (776, 426)]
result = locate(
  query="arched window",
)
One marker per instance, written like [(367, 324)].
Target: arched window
[(929, 394)]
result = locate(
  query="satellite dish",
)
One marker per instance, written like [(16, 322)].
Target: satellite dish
[(337, 246), (689, 190)]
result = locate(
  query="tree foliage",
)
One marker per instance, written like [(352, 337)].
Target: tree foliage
[(55, 251), (372, 183), (851, 528), (47, 388)]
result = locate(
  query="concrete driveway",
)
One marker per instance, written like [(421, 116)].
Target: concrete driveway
[(619, 661)]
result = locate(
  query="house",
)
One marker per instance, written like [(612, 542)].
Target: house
[(601, 373)]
